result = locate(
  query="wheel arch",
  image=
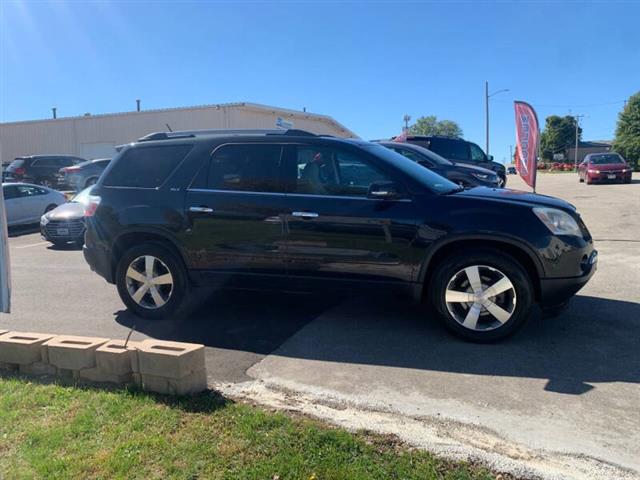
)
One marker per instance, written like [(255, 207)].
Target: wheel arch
[(128, 239), (516, 249)]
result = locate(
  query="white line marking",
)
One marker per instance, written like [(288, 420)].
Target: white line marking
[(32, 245)]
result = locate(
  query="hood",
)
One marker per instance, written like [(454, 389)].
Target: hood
[(495, 166), (607, 167), (67, 211), (515, 196)]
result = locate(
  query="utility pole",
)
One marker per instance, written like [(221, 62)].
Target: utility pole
[(55, 112), (577, 117), (486, 110), (406, 119), (511, 153)]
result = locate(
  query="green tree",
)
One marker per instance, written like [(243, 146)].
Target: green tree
[(627, 141), (430, 125), (559, 134)]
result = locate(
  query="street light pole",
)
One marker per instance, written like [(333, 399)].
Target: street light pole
[(486, 110), (406, 119), (575, 155)]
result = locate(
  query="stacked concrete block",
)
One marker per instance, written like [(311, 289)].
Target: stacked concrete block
[(172, 368), (24, 351), (158, 366), (114, 363)]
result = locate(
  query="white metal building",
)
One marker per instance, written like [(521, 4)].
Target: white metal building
[(95, 136)]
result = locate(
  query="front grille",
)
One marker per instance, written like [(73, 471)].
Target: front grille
[(75, 227)]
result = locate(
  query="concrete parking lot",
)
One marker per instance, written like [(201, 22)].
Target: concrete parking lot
[(560, 399)]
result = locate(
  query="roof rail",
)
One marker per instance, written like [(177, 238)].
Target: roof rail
[(195, 133)]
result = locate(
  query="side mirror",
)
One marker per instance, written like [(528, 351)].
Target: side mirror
[(490, 158), (384, 191)]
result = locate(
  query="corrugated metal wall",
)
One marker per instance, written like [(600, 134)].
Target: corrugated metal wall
[(95, 136)]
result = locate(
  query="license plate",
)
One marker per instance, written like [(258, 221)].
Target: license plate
[(63, 231), (611, 177)]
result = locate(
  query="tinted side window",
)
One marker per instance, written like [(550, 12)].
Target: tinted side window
[(44, 162), (477, 155), (146, 167), (328, 171), (450, 149), (10, 192), (29, 191), (249, 168), (413, 156)]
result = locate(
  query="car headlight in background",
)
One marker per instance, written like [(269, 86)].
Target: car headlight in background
[(558, 222), (594, 171)]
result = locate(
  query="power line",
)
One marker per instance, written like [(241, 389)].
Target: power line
[(617, 102)]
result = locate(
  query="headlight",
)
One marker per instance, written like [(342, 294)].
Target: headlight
[(44, 220), (481, 176), (594, 171), (557, 221)]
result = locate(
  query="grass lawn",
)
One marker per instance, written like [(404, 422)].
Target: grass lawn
[(55, 431)]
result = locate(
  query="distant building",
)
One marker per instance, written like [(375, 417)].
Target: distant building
[(96, 136), (584, 148)]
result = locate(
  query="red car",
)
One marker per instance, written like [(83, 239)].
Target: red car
[(604, 167)]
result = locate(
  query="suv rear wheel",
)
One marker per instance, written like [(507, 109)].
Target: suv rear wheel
[(482, 295), (152, 281)]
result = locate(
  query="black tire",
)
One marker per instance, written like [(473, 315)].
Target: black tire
[(580, 179), (505, 264), (178, 297)]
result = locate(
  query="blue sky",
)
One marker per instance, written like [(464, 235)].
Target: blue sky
[(364, 63)]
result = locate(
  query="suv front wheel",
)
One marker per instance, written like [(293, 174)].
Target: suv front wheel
[(482, 295), (152, 281)]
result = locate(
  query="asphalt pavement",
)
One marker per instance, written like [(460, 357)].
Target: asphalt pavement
[(559, 399)]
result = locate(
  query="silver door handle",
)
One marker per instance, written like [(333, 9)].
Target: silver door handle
[(305, 214), (200, 210)]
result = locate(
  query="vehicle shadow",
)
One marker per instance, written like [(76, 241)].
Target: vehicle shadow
[(20, 230), (65, 247), (595, 340)]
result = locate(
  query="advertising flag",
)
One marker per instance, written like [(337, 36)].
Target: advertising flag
[(527, 136)]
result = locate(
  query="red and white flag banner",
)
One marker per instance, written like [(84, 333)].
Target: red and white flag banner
[(527, 136)]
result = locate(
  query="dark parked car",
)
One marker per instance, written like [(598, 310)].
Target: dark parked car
[(604, 167), (83, 175), (38, 169), (460, 151), (512, 171), (65, 223), (292, 210), (464, 175)]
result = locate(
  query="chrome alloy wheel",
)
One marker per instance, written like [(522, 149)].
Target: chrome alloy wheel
[(480, 298), (149, 282)]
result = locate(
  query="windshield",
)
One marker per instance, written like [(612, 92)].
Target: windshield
[(434, 157), (434, 182), (83, 195), (605, 159)]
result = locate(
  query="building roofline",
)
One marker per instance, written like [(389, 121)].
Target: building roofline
[(246, 105)]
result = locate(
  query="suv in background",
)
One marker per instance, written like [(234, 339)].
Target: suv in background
[(84, 174), (39, 169), (285, 210), (466, 176), (458, 150)]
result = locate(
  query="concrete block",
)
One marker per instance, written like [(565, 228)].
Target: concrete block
[(170, 359), (9, 367), (22, 347), (38, 369), (195, 382), (113, 358), (98, 375), (73, 353)]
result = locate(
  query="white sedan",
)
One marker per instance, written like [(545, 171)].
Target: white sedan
[(26, 203)]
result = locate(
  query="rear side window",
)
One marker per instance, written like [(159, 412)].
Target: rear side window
[(146, 167), (249, 168), (450, 149), (17, 163), (10, 192)]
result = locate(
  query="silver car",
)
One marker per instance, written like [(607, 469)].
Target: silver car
[(26, 203)]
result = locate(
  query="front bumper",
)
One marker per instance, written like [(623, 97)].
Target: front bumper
[(99, 262), (606, 177), (556, 292)]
